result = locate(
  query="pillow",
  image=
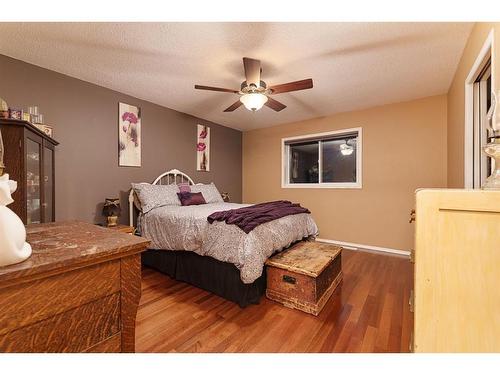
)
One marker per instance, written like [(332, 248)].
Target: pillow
[(191, 199), (209, 191), (184, 187), (153, 196)]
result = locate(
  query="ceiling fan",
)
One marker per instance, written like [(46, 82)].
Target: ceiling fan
[(254, 92)]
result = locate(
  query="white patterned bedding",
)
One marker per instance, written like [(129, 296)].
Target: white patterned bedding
[(187, 228)]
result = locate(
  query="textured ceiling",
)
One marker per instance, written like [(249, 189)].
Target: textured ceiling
[(353, 65)]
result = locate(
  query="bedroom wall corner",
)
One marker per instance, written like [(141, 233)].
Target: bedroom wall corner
[(404, 148)]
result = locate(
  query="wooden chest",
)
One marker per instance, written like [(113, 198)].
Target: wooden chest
[(304, 276), (78, 292)]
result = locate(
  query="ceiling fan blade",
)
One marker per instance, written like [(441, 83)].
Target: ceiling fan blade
[(292, 86), (274, 104), (200, 87), (233, 106), (252, 71)]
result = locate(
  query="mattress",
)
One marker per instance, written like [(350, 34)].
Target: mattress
[(186, 228)]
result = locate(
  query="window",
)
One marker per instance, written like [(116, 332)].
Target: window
[(478, 84), (330, 160), (482, 166)]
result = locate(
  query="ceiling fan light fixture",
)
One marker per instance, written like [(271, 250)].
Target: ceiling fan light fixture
[(253, 101), (254, 91), (346, 149)]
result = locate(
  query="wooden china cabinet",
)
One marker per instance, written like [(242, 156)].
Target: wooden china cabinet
[(29, 160)]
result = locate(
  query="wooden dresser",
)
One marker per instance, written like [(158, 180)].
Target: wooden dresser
[(457, 271), (78, 292)]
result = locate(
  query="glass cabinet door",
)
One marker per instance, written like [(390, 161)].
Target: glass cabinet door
[(33, 182), (48, 185)]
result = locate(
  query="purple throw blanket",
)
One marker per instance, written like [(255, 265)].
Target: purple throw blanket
[(247, 218)]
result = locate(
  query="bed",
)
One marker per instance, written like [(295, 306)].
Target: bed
[(217, 257)]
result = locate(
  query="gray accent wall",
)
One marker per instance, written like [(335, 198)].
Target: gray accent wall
[(85, 121)]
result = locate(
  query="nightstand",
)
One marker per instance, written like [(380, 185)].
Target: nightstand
[(123, 228)]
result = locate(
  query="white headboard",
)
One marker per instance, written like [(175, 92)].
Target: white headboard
[(172, 177)]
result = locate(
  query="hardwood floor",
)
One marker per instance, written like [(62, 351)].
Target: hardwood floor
[(368, 312)]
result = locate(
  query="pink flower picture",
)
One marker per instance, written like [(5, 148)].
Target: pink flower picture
[(129, 139), (130, 117), (203, 148)]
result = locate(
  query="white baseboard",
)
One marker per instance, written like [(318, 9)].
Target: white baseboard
[(356, 246)]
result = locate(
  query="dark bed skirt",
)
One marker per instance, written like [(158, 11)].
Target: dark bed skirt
[(207, 273)]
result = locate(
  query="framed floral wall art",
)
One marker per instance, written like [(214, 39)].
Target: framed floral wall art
[(203, 148), (129, 139)]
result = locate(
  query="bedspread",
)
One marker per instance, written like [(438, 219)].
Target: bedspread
[(187, 228)]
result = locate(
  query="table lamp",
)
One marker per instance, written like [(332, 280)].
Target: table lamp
[(111, 211)]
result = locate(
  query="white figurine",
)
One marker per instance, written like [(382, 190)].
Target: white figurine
[(13, 245)]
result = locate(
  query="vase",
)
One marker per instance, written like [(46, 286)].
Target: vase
[(13, 245), (492, 149)]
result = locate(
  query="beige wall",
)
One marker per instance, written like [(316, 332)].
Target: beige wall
[(404, 148), (456, 98)]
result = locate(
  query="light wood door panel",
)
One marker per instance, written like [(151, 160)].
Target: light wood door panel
[(457, 271)]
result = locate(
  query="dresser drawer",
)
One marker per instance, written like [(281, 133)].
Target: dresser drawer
[(25, 304), (72, 331)]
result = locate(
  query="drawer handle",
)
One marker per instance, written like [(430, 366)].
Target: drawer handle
[(289, 279)]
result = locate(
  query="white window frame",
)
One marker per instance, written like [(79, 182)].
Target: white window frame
[(285, 159), (470, 162)]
